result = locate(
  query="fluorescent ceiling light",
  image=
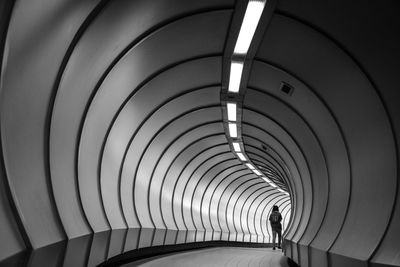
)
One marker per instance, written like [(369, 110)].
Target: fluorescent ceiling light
[(249, 25), (232, 130), (241, 156), (251, 167), (272, 184), (236, 146), (231, 107), (266, 179), (287, 193), (257, 172), (280, 190), (235, 76)]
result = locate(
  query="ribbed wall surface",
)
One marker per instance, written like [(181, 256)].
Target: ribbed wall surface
[(112, 125)]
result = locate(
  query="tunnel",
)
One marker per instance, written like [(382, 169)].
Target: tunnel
[(170, 128)]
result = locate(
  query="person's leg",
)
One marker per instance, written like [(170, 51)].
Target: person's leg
[(279, 238), (273, 238)]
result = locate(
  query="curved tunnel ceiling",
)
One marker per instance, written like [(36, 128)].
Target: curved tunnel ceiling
[(114, 123)]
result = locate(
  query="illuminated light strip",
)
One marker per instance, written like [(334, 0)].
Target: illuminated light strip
[(251, 167), (241, 156), (266, 179), (235, 76), (247, 30), (236, 146), (257, 172), (232, 130), (249, 25), (231, 108)]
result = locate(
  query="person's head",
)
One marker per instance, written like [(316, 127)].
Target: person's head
[(275, 208)]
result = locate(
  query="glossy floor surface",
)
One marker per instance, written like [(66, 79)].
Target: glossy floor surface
[(218, 257)]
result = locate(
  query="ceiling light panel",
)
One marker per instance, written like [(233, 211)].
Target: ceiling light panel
[(235, 76), (232, 130), (236, 146), (251, 167), (231, 107), (249, 25), (257, 172), (266, 179), (241, 156)]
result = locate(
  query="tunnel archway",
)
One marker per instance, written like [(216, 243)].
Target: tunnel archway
[(116, 133)]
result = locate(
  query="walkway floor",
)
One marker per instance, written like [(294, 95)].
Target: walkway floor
[(224, 256)]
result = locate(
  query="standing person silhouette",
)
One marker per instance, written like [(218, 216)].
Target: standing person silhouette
[(275, 220)]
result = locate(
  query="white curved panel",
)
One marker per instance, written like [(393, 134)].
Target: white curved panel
[(245, 223), (208, 215), (171, 177), (156, 189), (198, 192), (200, 170), (145, 171), (140, 67), (237, 202), (225, 208), (184, 176), (131, 168), (38, 37), (219, 221), (249, 215)]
